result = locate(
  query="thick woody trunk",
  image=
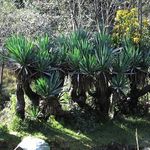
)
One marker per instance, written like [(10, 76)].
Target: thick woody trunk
[(78, 93), (50, 106), (34, 97), (102, 101), (102, 96), (133, 94), (133, 98), (79, 98), (20, 107)]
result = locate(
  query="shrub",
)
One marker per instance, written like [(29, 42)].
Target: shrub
[(127, 24)]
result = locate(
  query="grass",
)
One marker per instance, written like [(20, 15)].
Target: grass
[(61, 136), (9, 81)]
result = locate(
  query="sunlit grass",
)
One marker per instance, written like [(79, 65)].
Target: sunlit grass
[(119, 131)]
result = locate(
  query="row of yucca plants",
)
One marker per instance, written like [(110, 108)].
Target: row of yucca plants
[(109, 74), (35, 63), (106, 70)]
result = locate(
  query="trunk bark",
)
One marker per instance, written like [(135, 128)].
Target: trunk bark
[(102, 101), (133, 95), (34, 97), (144, 90), (20, 108), (78, 93), (50, 106), (102, 96), (80, 98)]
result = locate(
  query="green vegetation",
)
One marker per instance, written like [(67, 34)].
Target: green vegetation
[(78, 78), (117, 76), (61, 136)]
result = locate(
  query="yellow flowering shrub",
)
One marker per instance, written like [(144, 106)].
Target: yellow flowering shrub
[(127, 24)]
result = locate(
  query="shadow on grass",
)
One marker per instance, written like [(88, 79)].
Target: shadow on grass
[(59, 137), (120, 131), (8, 141), (63, 136)]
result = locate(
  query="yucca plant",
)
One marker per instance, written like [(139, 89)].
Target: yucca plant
[(77, 38), (43, 43), (79, 49), (74, 57), (136, 75), (44, 63), (120, 88), (20, 51), (103, 39), (49, 88), (121, 62), (89, 65), (33, 113), (136, 60), (33, 61), (62, 48), (120, 83), (46, 58), (93, 64), (135, 55), (103, 53)]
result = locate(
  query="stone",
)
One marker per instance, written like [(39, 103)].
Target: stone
[(32, 143), (146, 148)]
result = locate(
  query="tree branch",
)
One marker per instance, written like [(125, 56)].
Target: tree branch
[(143, 91)]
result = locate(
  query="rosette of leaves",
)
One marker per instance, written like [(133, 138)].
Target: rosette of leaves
[(136, 57), (139, 65), (89, 65), (62, 48), (120, 88), (48, 87), (79, 49), (77, 38), (79, 46), (20, 51), (103, 51), (121, 62), (46, 57), (120, 83)]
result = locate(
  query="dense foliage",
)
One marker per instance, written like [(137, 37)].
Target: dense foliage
[(127, 24), (107, 60), (114, 78)]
